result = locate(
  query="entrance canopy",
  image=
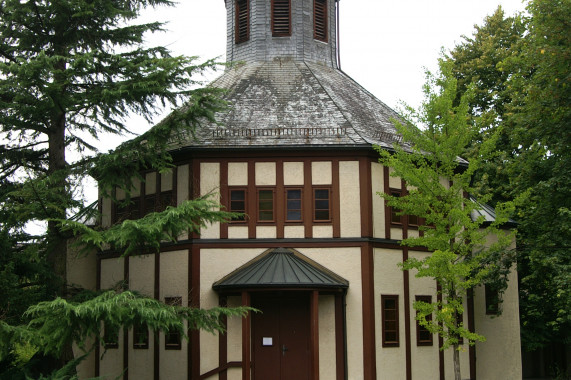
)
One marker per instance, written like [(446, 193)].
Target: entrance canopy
[(281, 268)]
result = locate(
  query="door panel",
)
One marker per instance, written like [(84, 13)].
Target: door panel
[(285, 320)]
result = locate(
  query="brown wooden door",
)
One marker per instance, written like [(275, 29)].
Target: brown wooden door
[(280, 338)]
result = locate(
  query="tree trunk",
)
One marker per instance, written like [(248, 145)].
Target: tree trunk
[(457, 374)]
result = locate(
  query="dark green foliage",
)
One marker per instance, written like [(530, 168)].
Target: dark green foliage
[(465, 251), (72, 72), (521, 69)]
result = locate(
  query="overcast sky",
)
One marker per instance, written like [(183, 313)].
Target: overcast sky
[(384, 44)]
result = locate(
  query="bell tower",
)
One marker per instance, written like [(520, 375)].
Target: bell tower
[(266, 30)]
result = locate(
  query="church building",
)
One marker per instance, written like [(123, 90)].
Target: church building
[(318, 249)]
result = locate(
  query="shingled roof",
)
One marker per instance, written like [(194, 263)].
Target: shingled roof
[(297, 104)]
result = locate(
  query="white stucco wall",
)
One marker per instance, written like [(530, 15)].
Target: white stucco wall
[(321, 173), (210, 183), (237, 174), (265, 173), (293, 173), (350, 199), (377, 181)]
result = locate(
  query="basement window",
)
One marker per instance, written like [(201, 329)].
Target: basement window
[(320, 20), (281, 18), (242, 21)]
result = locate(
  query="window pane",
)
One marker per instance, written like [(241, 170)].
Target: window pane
[(266, 194), (294, 205), (390, 304), (390, 336), (322, 204), (321, 215), (294, 194), (237, 195), (294, 215), (266, 215), (321, 194)]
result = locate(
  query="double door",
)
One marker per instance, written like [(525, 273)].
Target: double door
[(281, 337)]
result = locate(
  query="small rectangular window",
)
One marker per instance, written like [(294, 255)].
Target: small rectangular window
[(320, 20), (492, 300), (140, 336), (423, 336), (266, 205), (395, 218), (321, 203), (242, 21), (166, 199), (238, 204), (293, 205), (110, 337), (172, 337), (281, 18), (390, 316)]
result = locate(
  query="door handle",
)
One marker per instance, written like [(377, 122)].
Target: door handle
[(284, 349)]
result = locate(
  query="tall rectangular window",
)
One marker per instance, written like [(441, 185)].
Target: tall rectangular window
[(172, 337), (293, 205), (321, 203), (423, 336), (238, 204), (320, 20), (140, 336), (242, 21), (390, 316), (110, 337), (281, 18), (492, 300), (266, 205)]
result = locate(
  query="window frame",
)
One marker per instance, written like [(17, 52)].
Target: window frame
[(140, 329), (421, 329), (238, 39), (258, 209), (402, 219), (245, 191), (286, 209), (320, 35), (173, 301), (279, 32), (384, 311), (315, 209)]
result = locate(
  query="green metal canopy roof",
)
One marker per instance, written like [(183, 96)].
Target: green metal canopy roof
[(281, 268)]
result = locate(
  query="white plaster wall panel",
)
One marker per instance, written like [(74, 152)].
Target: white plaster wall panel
[(111, 274), (322, 231), (321, 173), (445, 182), (396, 233), (85, 369), (173, 283), (346, 262), (142, 274), (120, 194), (237, 174), (425, 358), (502, 334), (210, 183), (350, 200), (327, 358), (293, 173), (394, 182), (237, 232), (166, 181), (391, 363), (378, 202), (234, 340), (136, 191), (413, 233), (150, 183), (81, 268), (142, 279), (293, 232), (266, 232), (215, 264), (106, 212), (265, 173), (182, 183)]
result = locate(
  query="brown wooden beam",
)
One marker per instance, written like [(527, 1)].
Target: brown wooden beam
[(314, 335), (246, 329)]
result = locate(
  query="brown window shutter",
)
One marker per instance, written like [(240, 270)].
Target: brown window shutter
[(281, 18), (242, 21), (320, 20)]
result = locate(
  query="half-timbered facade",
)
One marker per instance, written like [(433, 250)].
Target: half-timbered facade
[(318, 249)]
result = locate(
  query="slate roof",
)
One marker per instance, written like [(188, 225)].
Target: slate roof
[(489, 214), (281, 268), (293, 103)]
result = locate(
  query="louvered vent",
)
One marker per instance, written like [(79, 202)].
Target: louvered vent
[(320, 20), (242, 21), (281, 18)]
